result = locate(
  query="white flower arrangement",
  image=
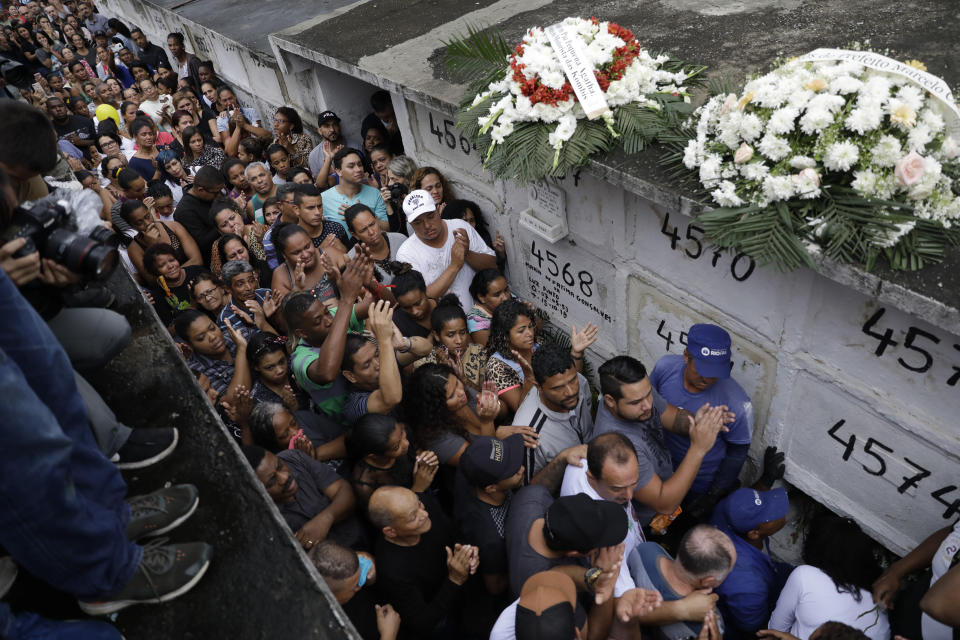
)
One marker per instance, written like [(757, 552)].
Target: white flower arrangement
[(809, 130), (532, 90)]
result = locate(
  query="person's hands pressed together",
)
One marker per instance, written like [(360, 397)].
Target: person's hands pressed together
[(459, 562), (424, 469), (695, 605)]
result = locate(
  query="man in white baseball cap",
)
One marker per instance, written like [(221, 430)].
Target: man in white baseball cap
[(446, 252)]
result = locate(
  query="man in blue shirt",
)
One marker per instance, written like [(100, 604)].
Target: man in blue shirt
[(351, 190), (704, 559), (700, 376), (749, 593)]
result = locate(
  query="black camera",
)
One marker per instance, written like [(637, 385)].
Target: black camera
[(45, 225), (397, 190)]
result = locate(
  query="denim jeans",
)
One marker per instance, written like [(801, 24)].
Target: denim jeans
[(62, 511)]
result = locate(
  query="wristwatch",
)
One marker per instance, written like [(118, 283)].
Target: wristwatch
[(590, 578)]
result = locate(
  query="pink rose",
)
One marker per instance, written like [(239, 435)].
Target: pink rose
[(743, 154), (909, 169), (811, 176)]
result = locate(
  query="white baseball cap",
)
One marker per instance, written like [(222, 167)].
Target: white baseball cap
[(417, 203)]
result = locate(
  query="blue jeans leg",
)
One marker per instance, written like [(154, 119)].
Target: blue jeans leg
[(62, 514), (28, 341)]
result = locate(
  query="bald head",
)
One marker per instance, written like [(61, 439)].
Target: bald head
[(706, 555), (398, 513)]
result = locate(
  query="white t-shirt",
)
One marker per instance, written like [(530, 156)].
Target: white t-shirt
[(431, 263), (575, 481), (809, 598), (505, 628), (948, 549)]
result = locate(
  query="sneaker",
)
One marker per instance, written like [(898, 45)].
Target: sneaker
[(8, 574), (146, 446), (161, 511), (166, 571)]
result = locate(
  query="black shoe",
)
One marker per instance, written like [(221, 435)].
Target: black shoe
[(165, 572), (146, 446), (161, 511)]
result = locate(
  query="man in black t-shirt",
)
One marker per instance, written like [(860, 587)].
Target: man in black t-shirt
[(421, 570), (310, 495), (77, 130), (193, 211), (492, 469)]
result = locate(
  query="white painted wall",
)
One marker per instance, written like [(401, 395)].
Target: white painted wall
[(801, 348)]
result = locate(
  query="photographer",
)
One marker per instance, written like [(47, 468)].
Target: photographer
[(399, 173), (91, 336)]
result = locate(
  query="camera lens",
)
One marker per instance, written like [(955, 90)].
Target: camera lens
[(81, 254), (107, 237)]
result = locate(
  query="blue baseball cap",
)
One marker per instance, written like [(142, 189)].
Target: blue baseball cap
[(746, 509), (709, 346)]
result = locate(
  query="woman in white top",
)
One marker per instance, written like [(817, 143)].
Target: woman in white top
[(834, 584)]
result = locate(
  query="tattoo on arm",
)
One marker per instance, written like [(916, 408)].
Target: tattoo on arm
[(683, 422), (551, 476)]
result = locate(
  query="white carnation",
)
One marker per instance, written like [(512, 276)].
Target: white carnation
[(932, 119), (751, 127), (782, 120), (877, 87), (778, 188), (726, 196), (865, 183), (919, 137), (845, 85), (565, 129), (840, 156), (886, 152), (774, 147), (755, 171), (802, 162), (710, 169), (815, 121), (911, 95), (863, 119)]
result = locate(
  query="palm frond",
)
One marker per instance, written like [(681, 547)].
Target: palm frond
[(477, 58)]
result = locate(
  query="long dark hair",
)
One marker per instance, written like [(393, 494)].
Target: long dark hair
[(425, 404), (504, 317), (456, 209), (839, 547)]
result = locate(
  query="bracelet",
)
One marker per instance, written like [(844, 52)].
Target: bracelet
[(580, 357), (409, 346)]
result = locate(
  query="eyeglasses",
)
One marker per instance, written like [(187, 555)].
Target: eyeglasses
[(207, 295)]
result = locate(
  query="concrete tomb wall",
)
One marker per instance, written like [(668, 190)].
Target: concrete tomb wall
[(855, 378)]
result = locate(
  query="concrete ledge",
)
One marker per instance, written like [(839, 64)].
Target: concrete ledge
[(260, 583)]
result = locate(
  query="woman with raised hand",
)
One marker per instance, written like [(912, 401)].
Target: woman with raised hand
[(288, 133), (452, 344), (378, 455), (302, 268)]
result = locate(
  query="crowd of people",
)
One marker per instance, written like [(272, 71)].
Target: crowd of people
[(447, 466)]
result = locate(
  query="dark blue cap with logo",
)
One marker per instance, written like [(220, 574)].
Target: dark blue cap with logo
[(709, 346), (488, 461), (746, 509)]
